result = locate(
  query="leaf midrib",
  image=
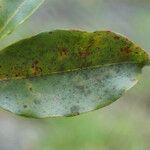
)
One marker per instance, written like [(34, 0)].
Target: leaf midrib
[(14, 14), (9, 19), (72, 70)]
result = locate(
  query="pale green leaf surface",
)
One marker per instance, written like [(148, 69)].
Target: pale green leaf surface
[(14, 12), (65, 73)]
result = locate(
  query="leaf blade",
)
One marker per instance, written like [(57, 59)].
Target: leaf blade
[(14, 13), (78, 86)]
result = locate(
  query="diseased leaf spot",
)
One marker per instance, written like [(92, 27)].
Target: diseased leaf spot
[(126, 50), (62, 53), (36, 70), (35, 63), (75, 110), (84, 53)]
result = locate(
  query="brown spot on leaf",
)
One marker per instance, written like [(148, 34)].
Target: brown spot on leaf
[(36, 70), (84, 53), (35, 62), (16, 71), (126, 50), (63, 51)]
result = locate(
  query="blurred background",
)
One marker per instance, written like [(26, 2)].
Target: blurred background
[(124, 125)]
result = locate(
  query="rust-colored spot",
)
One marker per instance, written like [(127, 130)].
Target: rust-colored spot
[(63, 51), (16, 71), (126, 50), (84, 53), (35, 62), (35, 69)]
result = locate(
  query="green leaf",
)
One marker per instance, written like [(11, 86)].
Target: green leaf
[(65, 73), (14, 12)]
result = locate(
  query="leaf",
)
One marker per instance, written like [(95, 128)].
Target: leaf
[(65, 73), (15, 12)]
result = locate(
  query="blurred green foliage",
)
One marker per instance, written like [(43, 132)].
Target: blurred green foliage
[(124, 125), (103, 130)]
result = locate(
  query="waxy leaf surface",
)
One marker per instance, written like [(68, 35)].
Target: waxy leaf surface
[(14, 12), (65, 73)]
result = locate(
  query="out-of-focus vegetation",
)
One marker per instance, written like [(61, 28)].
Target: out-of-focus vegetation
[(124, 125)]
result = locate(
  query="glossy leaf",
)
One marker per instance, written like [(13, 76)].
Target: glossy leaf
[(65, 73), (14, 12)]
